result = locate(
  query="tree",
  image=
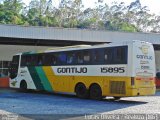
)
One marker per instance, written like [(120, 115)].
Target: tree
[(11, 12), (71, 14), (40, 13)]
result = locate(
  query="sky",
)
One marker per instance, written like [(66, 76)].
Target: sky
[(153, 5)]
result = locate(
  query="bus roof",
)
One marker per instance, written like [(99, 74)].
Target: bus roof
[(77, 47)]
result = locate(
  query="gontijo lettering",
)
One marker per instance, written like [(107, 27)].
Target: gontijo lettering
[(72, 70), (144, 57)]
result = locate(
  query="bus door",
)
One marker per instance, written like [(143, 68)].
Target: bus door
[(14, 67)]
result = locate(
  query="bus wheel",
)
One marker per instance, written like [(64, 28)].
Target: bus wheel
[(81, 91), (95, 92), (23, 85), (117, 98)]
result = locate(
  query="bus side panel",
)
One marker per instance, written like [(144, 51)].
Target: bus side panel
[(117, 86), (58, 83), (67, 83), (25, 75), (43, 78), (36, 78)]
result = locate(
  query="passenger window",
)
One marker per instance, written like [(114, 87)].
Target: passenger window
[(40, 60), (62, 58), (97, 56), (86, 57), (28, 60), (33, 60), (108, 56), (53, 59), (15, 60), (79, 57), (70, 58), (120, 56)]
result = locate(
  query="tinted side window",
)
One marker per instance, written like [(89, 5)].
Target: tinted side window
[(28, 60), (14, 67), (62, 57), (40, 59), (71, 58), (53, 59), (87, 56), (79, 57), (33, 60), (97, 56), (120, 55), (15, 60), (50, 59), (108, 56)]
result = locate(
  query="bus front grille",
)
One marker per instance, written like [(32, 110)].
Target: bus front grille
[(117, 87)]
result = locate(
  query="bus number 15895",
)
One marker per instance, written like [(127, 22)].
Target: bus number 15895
[(112, 70)]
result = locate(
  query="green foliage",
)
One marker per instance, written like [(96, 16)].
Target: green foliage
[(11, 12), (71, 14), (128, 27)]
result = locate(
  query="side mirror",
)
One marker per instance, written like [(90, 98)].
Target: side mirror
[(158, 75)]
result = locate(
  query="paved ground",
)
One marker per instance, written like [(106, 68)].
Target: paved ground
[(35, 105)]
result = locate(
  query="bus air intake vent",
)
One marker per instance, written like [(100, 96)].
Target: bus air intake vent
[(117, 87)]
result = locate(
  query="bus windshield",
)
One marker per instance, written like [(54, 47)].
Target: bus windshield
[(14, 67)]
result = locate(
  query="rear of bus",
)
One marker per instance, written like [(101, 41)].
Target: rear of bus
[(143, 69)]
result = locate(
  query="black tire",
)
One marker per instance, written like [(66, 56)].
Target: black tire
[(81, 91), (117, 98), (95, 92), (23, 85)]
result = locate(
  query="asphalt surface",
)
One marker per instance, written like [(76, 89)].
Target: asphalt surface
[(37, 105)]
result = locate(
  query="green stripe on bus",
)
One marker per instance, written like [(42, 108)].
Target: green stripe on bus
[(35, 77), (46, 84)]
